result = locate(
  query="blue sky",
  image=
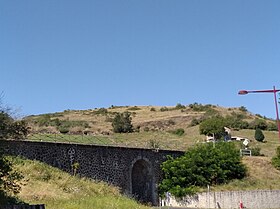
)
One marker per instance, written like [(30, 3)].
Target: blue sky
[(69, 54)]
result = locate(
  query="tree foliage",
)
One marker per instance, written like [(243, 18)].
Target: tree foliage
[(122, 123), (10, 128), (214, 125), (201, 165), (259, 135)]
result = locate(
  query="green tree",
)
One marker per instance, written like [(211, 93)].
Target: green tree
[(122, 123), (201, 165), (10, 128), (259, 135), (214, 125)]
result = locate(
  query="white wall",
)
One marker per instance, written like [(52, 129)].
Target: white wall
[(263, 199)]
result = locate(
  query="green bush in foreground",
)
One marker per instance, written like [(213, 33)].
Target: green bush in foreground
[(201, 165)]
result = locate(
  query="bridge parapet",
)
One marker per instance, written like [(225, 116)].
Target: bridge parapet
[(120, 166)]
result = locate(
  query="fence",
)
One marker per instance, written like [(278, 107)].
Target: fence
[(41, 206)]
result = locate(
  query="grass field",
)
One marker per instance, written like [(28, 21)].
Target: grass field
[(164, 140)]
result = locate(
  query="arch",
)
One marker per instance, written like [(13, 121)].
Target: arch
[(142, 181)]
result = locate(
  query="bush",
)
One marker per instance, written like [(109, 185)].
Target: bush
[(256, 151), (180, 106), (101, 111), (195, 122), (163, 109), (122, 123), (201, 165), (153, 109), (63, 130), (134, 108), (276, 159), (259, 135), (258, 124), (243, 109), (178, 132)]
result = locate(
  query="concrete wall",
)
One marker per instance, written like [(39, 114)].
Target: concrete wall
[(262, 199), (120, 166)]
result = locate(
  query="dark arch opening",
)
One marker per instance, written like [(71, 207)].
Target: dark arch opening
[(142, 181)]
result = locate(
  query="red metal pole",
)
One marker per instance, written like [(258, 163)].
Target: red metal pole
[(277, 114)]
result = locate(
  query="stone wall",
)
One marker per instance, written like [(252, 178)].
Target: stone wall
[(136, 171), (263, 199)]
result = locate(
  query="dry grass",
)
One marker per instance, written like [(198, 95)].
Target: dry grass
[(159, 123), (261, 176), (57, 189)]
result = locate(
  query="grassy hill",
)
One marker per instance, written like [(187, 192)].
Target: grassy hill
[(154, 126), (44, 184)]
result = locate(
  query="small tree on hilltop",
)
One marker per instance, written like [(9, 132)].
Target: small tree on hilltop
[(122, 123), (259, 135), (214, 125)]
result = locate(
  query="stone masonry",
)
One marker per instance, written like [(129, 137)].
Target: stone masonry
[(136, 171)]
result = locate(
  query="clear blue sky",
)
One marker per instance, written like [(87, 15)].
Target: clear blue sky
[(82, 54)]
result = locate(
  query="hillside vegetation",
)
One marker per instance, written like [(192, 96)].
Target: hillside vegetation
[(44, 184), (174, 127)]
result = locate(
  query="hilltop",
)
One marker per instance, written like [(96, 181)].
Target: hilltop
[(154, 126)]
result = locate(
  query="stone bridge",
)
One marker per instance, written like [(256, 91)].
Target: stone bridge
[(136, 171)]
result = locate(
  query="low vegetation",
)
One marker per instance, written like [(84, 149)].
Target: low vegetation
[(57, 189), (177, 127)]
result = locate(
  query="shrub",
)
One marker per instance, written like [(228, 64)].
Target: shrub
[(272, 127), (154, 144), (153, 109), (63, 130), (258, 124), (101, 111), (276, 159), (194, 122), (163, 109), (178, 132), (134, 108), (256, 151), (259, 135), (243, 109), (180, 106), (122, 123)]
